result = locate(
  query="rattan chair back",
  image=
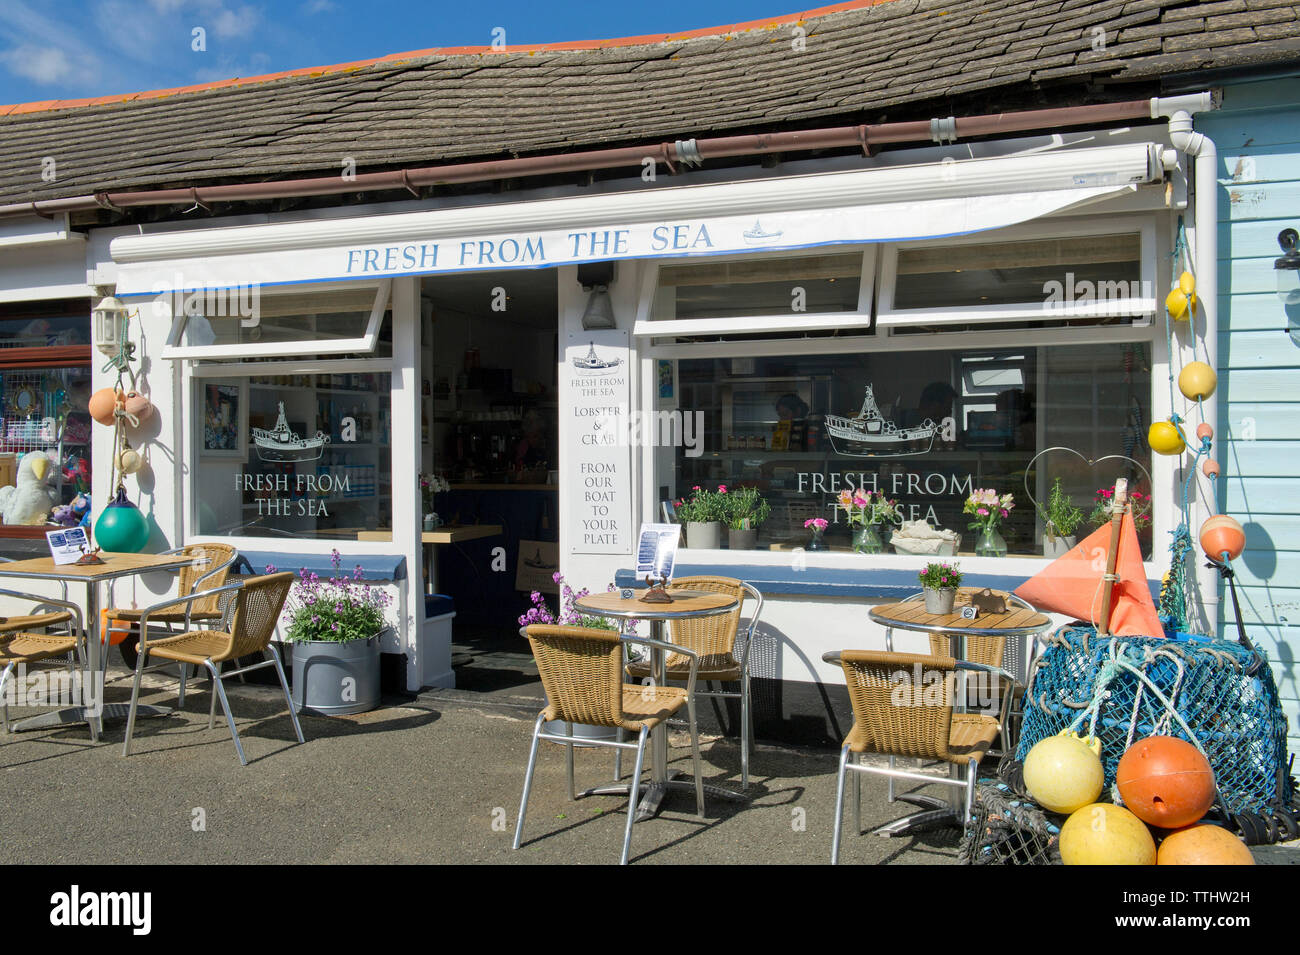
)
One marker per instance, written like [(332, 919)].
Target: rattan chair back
[(984, 650), (218, 559), (708, 636), (902, 702), (257, 610), (582, 672)]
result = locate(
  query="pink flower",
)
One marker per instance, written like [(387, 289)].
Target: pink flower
[(722, 489)]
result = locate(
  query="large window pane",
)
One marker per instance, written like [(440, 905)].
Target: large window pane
[(43, 411), (759, 286)]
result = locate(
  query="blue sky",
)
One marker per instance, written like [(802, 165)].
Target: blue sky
[(62, 49)]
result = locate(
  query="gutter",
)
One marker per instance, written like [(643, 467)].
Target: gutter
[(690, 152)]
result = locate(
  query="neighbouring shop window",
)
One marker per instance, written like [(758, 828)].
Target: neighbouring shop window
[(287, 454), (45, 384), (759, 285), (925, 427)]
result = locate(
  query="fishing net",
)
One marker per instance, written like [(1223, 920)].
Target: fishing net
[(1218, 695), (1007, 827)]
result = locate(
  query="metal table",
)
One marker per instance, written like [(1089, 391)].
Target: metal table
[(1016, 621), (92, 575), (686, 604)]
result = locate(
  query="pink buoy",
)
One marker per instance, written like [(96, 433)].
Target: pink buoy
[(1210, 468), (1204, 431)]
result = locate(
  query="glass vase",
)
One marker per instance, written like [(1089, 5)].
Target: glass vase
[(866, 540), (990, 543), (817, 543)]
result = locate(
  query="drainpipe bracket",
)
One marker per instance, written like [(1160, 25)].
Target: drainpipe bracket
[(102, 200), (944, 131), (688, 152)]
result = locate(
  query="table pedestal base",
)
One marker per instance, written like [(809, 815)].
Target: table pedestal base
[(79, 714), (651, 793)]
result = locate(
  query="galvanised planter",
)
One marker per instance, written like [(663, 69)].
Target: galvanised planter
[(335, 679)]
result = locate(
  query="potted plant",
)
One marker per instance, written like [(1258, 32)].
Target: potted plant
[(335, 626), (865, 512), (744, 510), (430, 487), (1060, 519), (988, 509), (702, 512), (939, 583), (1139, 506)]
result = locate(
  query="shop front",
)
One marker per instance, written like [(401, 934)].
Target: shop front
[(925, 324)]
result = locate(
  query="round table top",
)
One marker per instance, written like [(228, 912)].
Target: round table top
[(686, 603), (911, 615)]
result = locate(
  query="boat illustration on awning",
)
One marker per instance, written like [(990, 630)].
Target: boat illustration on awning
[(282, 443)]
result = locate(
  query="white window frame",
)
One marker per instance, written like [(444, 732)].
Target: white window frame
[(646, 326), (1141, 308), (363, 344)]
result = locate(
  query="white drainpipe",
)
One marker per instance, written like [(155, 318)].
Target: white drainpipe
[(1205, 249)]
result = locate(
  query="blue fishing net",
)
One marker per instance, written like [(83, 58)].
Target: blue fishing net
[(1224, 694)]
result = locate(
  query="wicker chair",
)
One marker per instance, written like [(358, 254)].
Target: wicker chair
[(20, 645), (894, 717), (192, 578), (582, 673), (36, 621), (253, 606), (714, 640)]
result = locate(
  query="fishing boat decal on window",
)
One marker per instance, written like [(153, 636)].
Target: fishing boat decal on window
[(282, 443), (760, 236), (592, 364), (869, 434)]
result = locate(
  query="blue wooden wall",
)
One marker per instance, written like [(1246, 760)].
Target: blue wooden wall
[(1258, 137)]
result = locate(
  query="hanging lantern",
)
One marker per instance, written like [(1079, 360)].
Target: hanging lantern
[(103, 403), (121, 527), (108, 319), (1164, 438), (1197, 381)]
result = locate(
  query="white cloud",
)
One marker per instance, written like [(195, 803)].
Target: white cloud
[(313, 7), (41, 64), (228, 24)]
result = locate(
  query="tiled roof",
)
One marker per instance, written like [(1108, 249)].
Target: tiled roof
[(857, 60)]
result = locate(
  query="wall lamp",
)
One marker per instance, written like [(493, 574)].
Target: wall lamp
[(595, 277), (1288, 267)]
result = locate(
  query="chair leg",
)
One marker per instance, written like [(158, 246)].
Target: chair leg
[(135, 699), (972, 774), (212, 703), (528, 782), (695, 757), (284, 685), (857, 799), (618, 756), (839, 806), (180, 696), (745, 717), (633, 795), (891, 781), (225, 706), (4, 700), (568, 760)]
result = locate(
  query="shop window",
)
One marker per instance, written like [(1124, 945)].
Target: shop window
[(256, 321), (45, 384), (926, 427)]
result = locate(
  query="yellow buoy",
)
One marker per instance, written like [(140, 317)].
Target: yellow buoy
[(1102, 834), (1197, 381), (1187, 283), (1064, 772), (1164, 438), (1181, 300)]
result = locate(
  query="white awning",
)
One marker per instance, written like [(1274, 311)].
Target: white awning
[(894, 204)]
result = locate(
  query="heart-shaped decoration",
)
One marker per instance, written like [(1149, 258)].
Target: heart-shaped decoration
[(1088, 461)]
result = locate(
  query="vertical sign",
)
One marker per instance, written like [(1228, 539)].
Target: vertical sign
[(599, 463)]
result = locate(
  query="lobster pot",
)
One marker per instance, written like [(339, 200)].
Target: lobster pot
[(1009, 828), (1223, 692)]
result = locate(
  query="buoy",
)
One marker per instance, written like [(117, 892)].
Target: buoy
[(121, 527), (1164, 438), (1210, 467), (1222, 534), (1203, 845), (138, 405), (1165, 781), (102, 404), (1204, 431), (1197, 381), (1103, 834), (1187, 283), (1064, 772), (129, 461)]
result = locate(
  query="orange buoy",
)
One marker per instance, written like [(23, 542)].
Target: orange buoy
[(1203, 845), (1165, 782), (103, 403), (1204, 431), (1210, 467), (1222, 534)]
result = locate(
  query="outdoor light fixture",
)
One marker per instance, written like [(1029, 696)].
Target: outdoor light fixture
[(1288, 268), (595, 277), (110, 325)]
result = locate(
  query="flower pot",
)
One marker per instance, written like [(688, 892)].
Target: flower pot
[(334, 679), (704, 535), (939, 600), (745, 539), (1056, 546), (866, 540), (432, 522), (990, 543)]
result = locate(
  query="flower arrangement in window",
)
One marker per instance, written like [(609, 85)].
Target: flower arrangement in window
[(864, 508), (743, 508), (702, 506), (988, 509)]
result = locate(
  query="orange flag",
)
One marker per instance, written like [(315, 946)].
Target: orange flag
[(1072, 584)]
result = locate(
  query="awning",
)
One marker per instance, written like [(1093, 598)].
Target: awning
[(894, 204)]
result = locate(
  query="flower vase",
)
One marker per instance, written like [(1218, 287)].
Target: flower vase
[(866, 540), (990, 543), (432, 522), (817, 543), (939, 600)]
